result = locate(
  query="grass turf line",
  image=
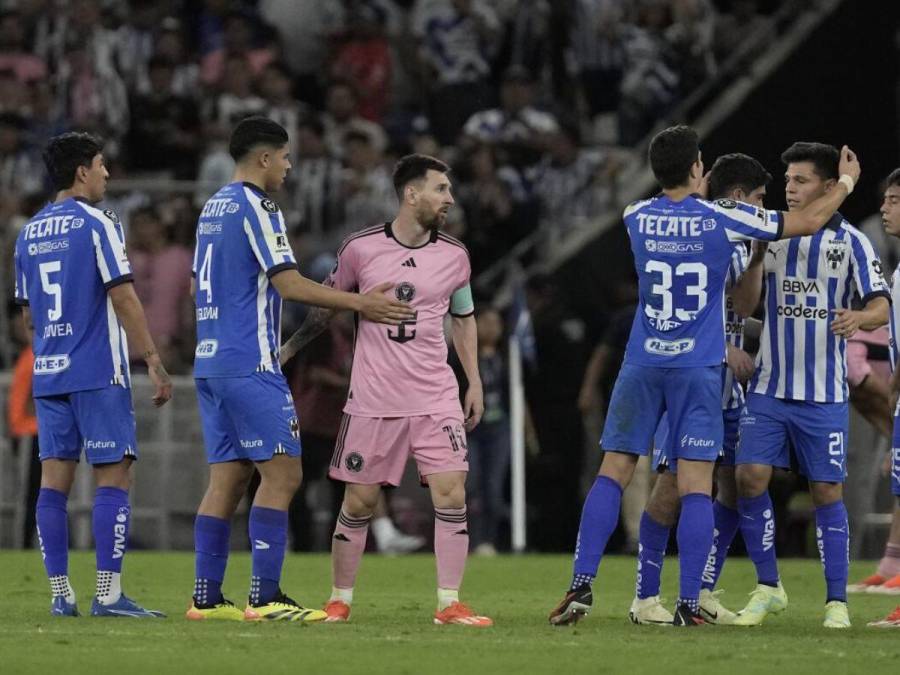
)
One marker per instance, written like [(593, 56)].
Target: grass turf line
[(391, 629)]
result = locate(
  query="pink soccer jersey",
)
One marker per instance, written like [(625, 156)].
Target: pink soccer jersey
[(401, 371)]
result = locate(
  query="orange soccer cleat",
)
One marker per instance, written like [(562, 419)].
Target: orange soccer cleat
[(892, 620), (459, 613), (889, 587), (866, 584), (338, 611)]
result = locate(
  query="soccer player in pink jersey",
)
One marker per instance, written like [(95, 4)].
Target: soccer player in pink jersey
[(403, 397)]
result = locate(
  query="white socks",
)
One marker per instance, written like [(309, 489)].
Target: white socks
[(109, 587), (345, 595), (446, 597), (59, 585)]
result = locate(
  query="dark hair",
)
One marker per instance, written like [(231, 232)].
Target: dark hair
[(672, 153), (736, 170), (66, 152), (414, 167), (892, 179), (254, 131), (825, 158)]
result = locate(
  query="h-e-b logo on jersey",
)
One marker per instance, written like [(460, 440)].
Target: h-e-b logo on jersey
[(405, 292)]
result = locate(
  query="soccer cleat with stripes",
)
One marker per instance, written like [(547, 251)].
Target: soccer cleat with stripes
[(836, 615), (889, 587), (282, 608), (338, 611), (645, 611), (867, 584), (575, 605), (124, 606), (59, 607), (460, 614), (712, 610), (892, 620), (764, 600), (220, 611), (685, 617)]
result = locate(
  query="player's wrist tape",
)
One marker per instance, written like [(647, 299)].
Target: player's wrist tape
[(149, 353), (847, 181)]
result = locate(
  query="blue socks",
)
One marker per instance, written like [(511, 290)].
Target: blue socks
[(725, 525), (268, 537), (695, 536), (53, 531), (211, 539), (111, 519), (599, 518), (833, 537), (758, 529), (652, 541)]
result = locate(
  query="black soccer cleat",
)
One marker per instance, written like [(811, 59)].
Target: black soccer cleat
[(685, 617), (575, 605)]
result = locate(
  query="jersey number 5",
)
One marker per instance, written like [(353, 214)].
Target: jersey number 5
[(51, 288)]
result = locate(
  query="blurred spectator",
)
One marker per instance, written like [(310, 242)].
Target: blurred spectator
[(305, 27), (165, 136), (363, 58), (170, 45), (21, 169), (489, 442), (23, 422), (14, 55), (526, 33), (275, 86), (238, 37), (237, 99), (457, 40), (517, 127), (732, 28), (135, 40), (13, 96), (162, 276), (598, 49), (316, 181), (691, 37), (44, 120), (368, 188), (342, 116)]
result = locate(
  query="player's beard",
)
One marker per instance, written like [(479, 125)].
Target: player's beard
[(431, 221)]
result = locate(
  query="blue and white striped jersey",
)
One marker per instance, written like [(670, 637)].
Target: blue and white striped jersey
[(894, 318), (241, 243), (67, 257), (682, 253), (732, 391), (806, 279)]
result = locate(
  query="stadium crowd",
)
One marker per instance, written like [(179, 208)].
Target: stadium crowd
[(535, 104)]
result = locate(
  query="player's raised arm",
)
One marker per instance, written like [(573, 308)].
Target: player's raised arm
[(747, 284), (813, 216), (315, 322)]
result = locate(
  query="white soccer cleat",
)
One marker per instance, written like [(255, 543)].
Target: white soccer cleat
[(712, 610), (649, 611), (836, 615), (764, 600), (400, 543)]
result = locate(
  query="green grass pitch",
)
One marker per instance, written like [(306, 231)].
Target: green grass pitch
[(391, 629)]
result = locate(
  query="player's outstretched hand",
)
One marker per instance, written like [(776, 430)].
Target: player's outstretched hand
[(849, 164), (473, 407), (378, 307), (846, 324), (161, 380)]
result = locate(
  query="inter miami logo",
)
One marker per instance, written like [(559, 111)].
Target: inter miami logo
[(834, 254), (269, 205), (295, 427), (405, 291), (354, 462)]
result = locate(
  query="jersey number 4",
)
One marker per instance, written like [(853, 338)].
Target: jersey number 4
[(676, 285), (204, 274)]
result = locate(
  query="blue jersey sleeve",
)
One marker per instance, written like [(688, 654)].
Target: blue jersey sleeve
[(265, 230), (867, 273), (109, 248), (740, 258), (21, 296), (744, 221)]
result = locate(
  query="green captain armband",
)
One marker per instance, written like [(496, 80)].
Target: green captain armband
[(461, 304)]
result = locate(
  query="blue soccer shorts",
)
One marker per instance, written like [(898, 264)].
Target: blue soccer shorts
[(98, 421), (248, 418), (662, 443), (816, 432), (895, 456), (692, 399)]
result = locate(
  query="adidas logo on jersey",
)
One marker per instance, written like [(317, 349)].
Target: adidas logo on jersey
[(410, 262)]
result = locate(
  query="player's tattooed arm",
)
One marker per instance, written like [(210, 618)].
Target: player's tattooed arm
[(316, 322), (465, 341)]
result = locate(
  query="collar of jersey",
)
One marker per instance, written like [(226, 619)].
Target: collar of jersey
[(258, 190), (834, 223), (662, 195), (389, 232)]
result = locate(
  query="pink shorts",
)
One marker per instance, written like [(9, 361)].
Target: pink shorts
[(859, 367), (374, 450)]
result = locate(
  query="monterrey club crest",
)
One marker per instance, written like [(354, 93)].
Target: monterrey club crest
[(834, 254), (405, 291), (269, 205)]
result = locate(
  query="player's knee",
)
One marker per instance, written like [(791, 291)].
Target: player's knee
[(619, 466), (825, 493), (360, 502), (726, 490), (451, 496)]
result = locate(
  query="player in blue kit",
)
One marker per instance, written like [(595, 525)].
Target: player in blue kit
[(797, 399), (740, 178), (75, 286), (682, 246), (243, 267)]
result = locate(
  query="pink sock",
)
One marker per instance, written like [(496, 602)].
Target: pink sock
[(451, 546), (890, 563), (347, 546)]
